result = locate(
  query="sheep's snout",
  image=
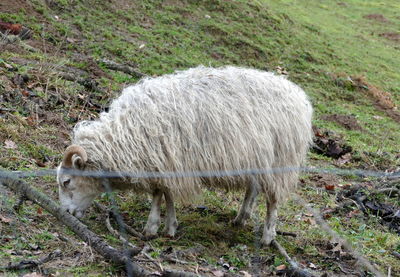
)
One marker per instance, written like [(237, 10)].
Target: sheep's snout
[(74, 211)]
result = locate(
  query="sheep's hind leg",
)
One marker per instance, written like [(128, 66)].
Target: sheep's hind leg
[(247, 205), (171, 224), (269, 233), (154, 220)]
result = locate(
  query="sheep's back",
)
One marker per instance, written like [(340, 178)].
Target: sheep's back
[(204, 119)]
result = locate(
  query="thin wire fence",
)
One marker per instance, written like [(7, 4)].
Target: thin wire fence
[(105, 175), (198, 174)]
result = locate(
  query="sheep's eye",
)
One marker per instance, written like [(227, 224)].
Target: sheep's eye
[(66, 183)]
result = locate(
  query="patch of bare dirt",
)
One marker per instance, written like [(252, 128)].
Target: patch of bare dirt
[(376, 17), (347, 121), (325, 180), (393, 36), (43, 45), (382, 99), (16, 6)]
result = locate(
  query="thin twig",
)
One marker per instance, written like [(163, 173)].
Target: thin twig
[(168, 258), (127, 228), (21, 199), (288, 234), (389, 191), (294, 269), (27, 264), (324, 226), (396, 254), (150, 259), (122, 67), (116, 233)]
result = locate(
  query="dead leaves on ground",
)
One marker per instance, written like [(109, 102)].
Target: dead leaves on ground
[(328, 144)]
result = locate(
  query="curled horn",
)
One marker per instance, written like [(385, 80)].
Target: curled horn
[(73, 150)]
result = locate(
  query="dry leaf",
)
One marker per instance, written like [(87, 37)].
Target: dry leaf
[(338, 250), (344, 159), (9, 144), (353, 213), (329, 187), (71, 40), (33, 274), (312, 266), (218, 273), (25, 93), (327, 213), (5, 219), (245, 273), (281, 267), (309, 221)]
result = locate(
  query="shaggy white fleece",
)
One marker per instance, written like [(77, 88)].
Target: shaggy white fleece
[(203, 119)]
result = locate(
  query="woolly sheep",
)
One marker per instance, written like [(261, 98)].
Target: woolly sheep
[(201, 119)]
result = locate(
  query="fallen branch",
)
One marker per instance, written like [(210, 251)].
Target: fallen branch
[(168, 258), (126, 227), (27, 264), (116, 233), (86, 82), (67, 73), (175, 273), (7, 109), (18, 205), (324, 226), (150, 259), (110, 253), (116, 256), (294, 270), (389, 191), (288, 234), (122, 67)]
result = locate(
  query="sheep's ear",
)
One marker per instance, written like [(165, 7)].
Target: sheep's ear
[(78, 162), (75, 156)]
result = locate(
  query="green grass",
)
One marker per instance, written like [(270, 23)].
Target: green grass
[(312, 40)]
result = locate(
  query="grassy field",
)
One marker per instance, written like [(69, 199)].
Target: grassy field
[(344, 55)]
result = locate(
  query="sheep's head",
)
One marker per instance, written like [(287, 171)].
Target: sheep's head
[(76, 192)]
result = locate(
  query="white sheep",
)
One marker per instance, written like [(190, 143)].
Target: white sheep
[(201, 119)]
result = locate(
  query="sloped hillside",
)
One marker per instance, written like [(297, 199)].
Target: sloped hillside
[(62, 61)]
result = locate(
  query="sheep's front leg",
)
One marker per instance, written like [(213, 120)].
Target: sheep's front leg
[(269, 233), (171, 224), (247, 205), (154, 220)]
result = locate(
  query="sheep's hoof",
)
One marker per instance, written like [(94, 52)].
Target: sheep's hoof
[(149, 233), (239, 221), (148, 236), (170, 229), (267, 239)]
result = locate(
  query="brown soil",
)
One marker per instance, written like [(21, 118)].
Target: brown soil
[(43, 45), (376, 17), (393, 36), (322, 180), (16, 6), (347, 121), (382, 99)]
